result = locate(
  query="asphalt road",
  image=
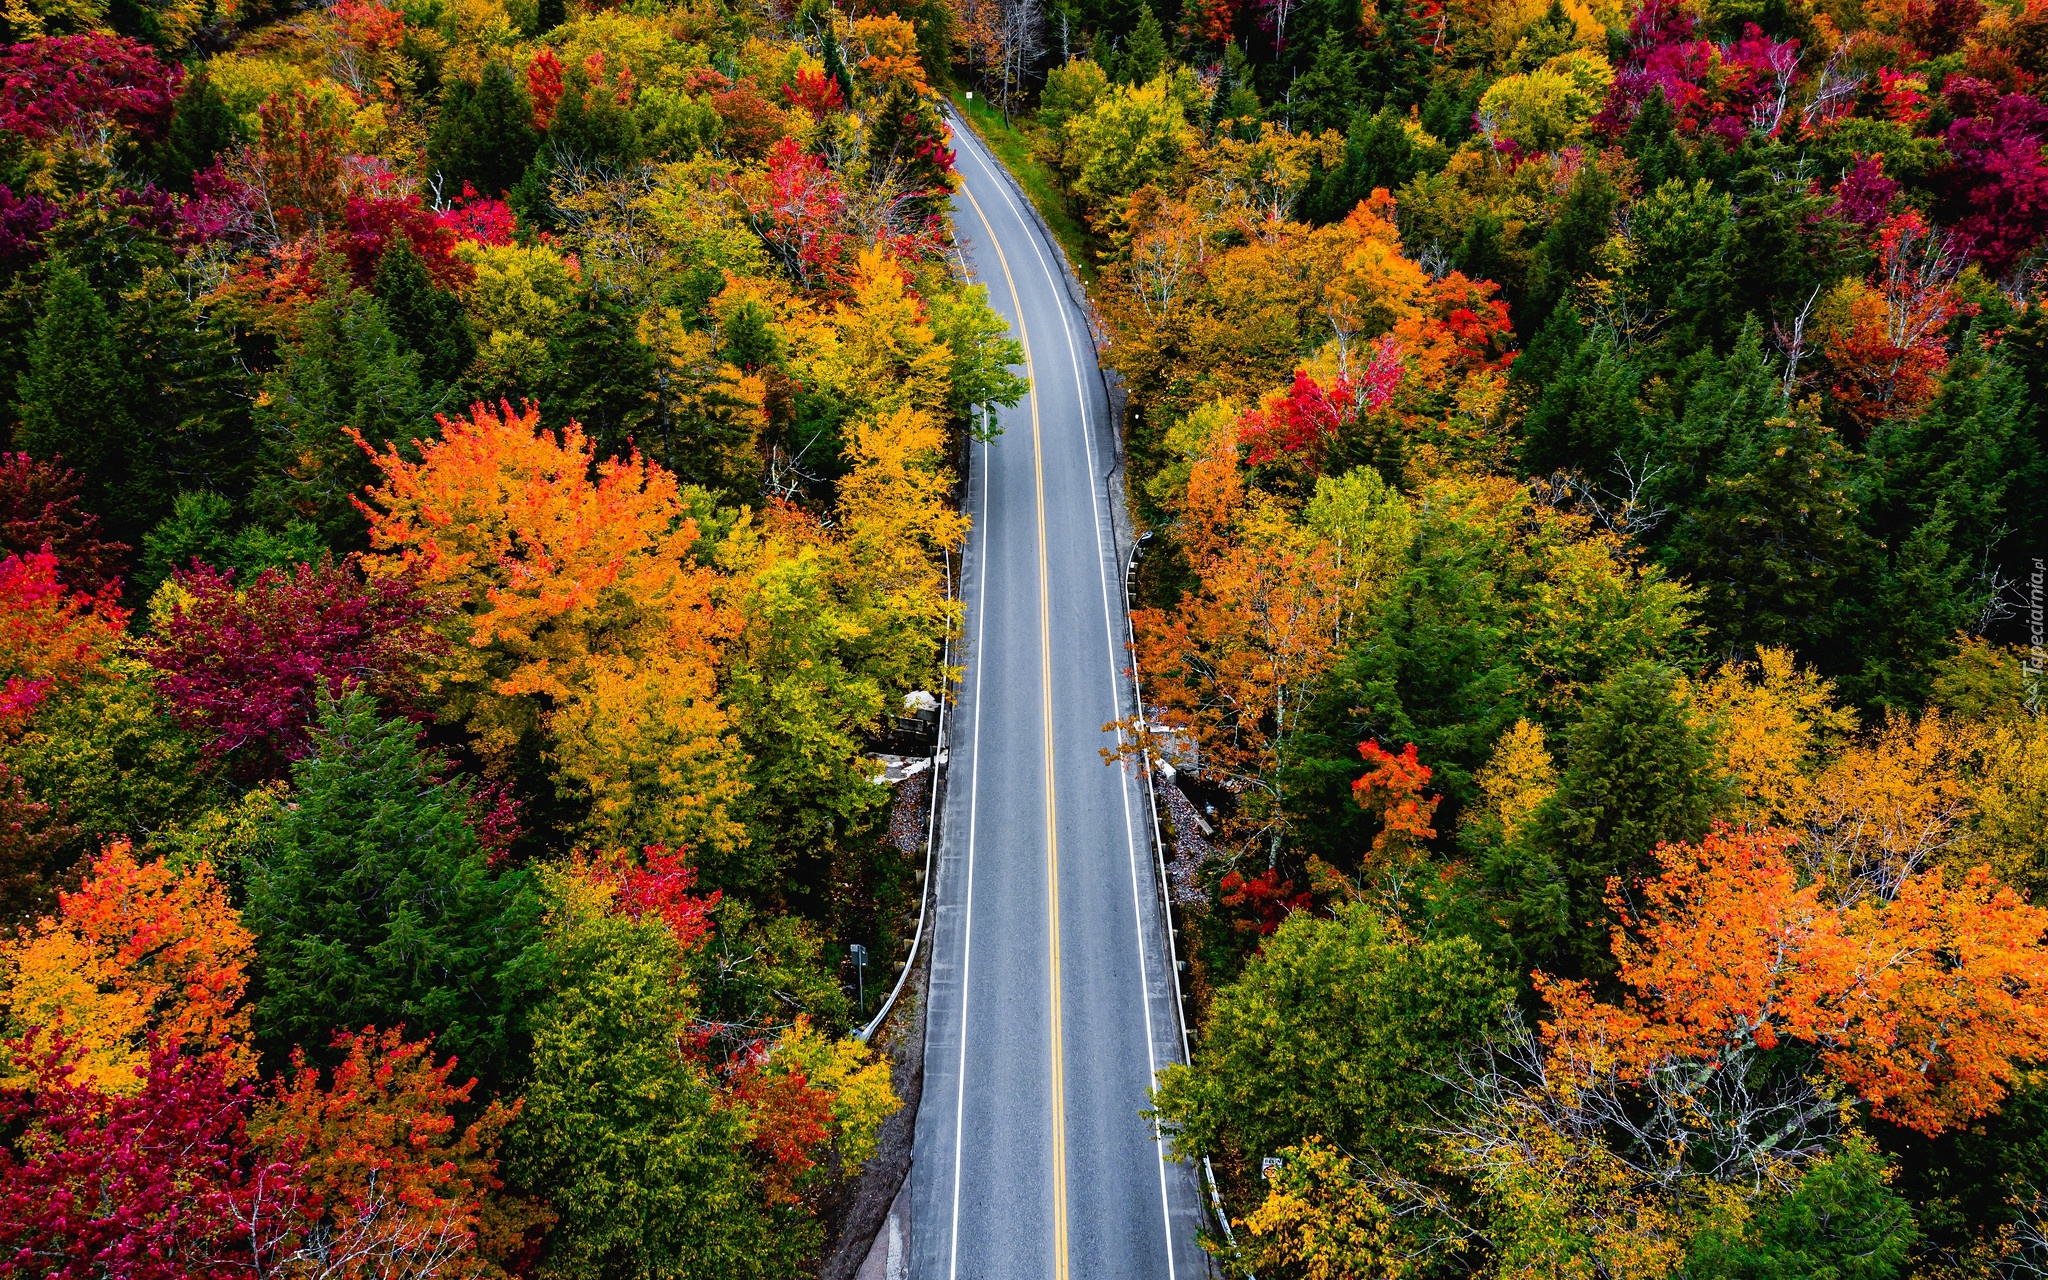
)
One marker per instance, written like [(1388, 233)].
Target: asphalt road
[(1051, 1000)]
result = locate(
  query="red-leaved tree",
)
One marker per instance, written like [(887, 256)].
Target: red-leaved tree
[(23, 220), (77, 85), (48, 633), (369, 223), (1305, 420), (660, 882), (161, 1185), (39, 511), (795, 208), (243, 666), (1995, 185), (395, 1186)]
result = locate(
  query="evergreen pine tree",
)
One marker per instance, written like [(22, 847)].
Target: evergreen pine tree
[(485, 135), (1236, 98), (1966, 449), (1377, 153), (549, 14), (1146, 54), (2026, 503), (1904, 620), (1652, 142), (1102, 52), (1326, 95), (347, 370), (1730, 400), (1219, 101), (1637, 773), (621, 1127), (1397, 59), (373, 903), (1447, 110), (1482, 255), (1586, 413), (835, 62), (1565, 255), (600, 373), (1772, 537), (431, 321), (75, 399), (593, 127), (1840, 1219), (202, 126), (192, 411)]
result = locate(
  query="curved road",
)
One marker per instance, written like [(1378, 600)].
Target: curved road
[(1051, 999)]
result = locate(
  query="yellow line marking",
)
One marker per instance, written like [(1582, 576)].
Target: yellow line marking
[(1052, 842)]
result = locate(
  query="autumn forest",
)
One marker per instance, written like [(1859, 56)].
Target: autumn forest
[(482, 480)]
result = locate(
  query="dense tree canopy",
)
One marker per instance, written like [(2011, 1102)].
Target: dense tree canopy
[(478, 478), (1579, 439), (476, 483)]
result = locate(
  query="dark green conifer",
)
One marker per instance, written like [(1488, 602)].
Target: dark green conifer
[(192, 415), (594, 127), (1145, 54), (1397, 59), (1652, 142), (1377, 153), (1585, 417), (1637, 773), (1767, 524), (347, 370), (1842, 1219), (835, 63), (76, 398), (1326, 95), (431, 321), (1566, 254), (485, 135), (600, 373), (202, 126), (373, 902)]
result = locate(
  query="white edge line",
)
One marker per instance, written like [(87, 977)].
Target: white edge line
[(973, 798)]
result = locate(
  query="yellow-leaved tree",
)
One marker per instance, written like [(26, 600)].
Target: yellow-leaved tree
[(141, 949), (1774, 723), (578, 615)]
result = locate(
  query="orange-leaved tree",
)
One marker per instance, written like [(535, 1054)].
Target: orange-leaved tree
[(141, 950), (399, 1187), (1926, 1005), (1392, 785), (1237, 662), (49, 633), (805, 1097), (1890, 804), (580, 614)]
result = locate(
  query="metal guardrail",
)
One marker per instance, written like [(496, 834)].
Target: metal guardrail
[(931, 837), (1165, 881)]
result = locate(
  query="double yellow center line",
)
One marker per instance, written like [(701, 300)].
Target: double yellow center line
[(1052, 840)]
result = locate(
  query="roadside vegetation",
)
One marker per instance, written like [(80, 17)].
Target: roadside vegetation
[(1596, 458), (479, 481)]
